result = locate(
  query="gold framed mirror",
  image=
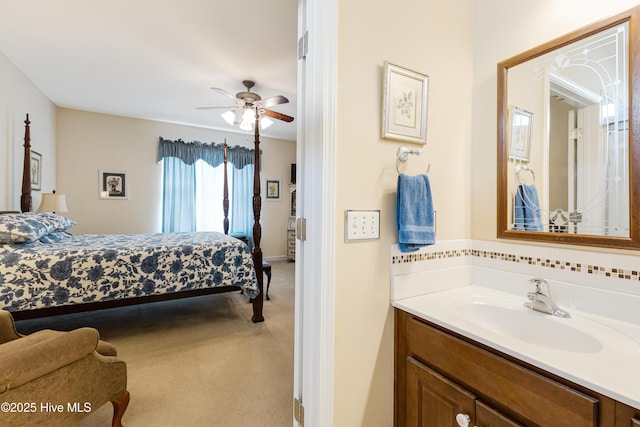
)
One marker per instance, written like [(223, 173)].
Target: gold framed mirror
[(569, 138)]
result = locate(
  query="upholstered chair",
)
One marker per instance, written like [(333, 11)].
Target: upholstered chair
[(53, 378)]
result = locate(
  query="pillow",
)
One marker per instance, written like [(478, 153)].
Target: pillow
[(30, 226), (58, 222), (55, 236)]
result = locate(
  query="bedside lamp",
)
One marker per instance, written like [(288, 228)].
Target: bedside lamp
[(52, 202)]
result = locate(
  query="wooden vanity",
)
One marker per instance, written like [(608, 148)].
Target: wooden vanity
[(440, 374)]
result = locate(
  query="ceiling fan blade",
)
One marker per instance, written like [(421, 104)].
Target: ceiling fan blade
[(211, 108), (278, 116), (224, 92), (273, 100)]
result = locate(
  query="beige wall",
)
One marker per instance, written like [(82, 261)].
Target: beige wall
[(88, 142), (517, 29), (19, 97), (434, 39)]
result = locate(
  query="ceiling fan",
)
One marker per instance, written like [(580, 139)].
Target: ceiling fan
[(247, 104)]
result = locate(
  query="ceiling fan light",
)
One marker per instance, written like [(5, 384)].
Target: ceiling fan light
[(265, 122), (246, 124), (229, 117), (249, 115)]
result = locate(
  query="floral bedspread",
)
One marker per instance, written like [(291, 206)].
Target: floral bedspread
[(86, 268)]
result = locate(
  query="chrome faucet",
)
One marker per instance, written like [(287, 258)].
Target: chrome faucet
[(540, 299)]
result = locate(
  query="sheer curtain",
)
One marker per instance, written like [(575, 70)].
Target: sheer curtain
[(241, 202), (178, 196), (193, 174)]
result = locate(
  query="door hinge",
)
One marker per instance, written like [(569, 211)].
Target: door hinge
[(575, 133), (303, 45), (298, 411), (301, 229)]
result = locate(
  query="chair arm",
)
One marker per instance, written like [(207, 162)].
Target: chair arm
[(21, 362), (7, 327)]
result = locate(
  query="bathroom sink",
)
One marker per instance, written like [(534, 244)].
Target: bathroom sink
[(530, 326)]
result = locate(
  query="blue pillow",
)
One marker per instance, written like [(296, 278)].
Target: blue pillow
[(58, 222), (55, 237), (31, 226)]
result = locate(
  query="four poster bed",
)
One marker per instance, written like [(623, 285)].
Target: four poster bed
[(45, 270)]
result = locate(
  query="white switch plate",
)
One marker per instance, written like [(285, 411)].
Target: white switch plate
[(362, 225)]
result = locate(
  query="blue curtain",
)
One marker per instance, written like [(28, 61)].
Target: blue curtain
[(178, 196), (179, 183), (241, 220)]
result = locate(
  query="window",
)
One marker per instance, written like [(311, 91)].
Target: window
[(209, 212), (192, 185)]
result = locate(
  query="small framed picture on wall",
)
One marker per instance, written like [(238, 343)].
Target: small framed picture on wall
[(36, 171), (273, 189), (113, 185)]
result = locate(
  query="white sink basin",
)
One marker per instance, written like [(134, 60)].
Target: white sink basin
[(531, 326)]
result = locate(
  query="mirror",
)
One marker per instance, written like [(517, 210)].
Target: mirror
[(568, 148)]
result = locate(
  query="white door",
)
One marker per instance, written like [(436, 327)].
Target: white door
[(314, 272)]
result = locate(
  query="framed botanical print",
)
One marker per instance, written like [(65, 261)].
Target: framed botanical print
[(273, 190), (404, 104), (519, 133)]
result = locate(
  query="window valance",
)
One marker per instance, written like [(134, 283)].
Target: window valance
[(212, 153)]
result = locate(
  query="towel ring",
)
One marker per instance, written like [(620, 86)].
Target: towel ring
[(526, 169), (402, 154)]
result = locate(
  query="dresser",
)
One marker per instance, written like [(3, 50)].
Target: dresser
[(291, 224)]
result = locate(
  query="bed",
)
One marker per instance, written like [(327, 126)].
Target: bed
[(45, 270)]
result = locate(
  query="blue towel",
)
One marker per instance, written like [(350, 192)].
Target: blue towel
[(414, 213), (527, 209)]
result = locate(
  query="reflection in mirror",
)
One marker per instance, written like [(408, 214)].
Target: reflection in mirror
[(565, 147)]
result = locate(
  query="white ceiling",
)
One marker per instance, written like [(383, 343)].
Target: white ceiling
[(155, 60)]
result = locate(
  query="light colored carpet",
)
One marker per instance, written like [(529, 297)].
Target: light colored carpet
[(199, 361)]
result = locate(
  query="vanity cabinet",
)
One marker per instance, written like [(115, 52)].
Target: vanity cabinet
[(291, 227), (439, 374)]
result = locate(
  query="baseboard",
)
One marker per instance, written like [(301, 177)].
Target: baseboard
[(275, 258)]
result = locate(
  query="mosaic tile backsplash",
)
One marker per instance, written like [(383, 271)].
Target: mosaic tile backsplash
[(616, 272)]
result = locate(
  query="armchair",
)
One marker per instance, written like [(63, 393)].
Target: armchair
[(56, 378)]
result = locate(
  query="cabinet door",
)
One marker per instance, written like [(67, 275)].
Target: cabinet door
[(486, 416), (433, 400), (626, 416)]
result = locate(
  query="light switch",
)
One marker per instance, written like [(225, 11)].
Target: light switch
[(362, 225)]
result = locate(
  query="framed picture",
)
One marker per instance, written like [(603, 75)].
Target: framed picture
[(404, 104), (273, 190), (36, 171), (519, 133), (113, 184)]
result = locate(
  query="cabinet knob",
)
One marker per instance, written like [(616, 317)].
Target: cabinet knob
[(463, 420)]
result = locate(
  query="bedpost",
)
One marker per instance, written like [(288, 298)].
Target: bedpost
[(257, 230), (225, 197), (25, 199)]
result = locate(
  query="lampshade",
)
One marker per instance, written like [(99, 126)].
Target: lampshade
[(247, 119), (52, 202), (265, 122), (229, 117)]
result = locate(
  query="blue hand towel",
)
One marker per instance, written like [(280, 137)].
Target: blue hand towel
[(414, 213), (527, 209)]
